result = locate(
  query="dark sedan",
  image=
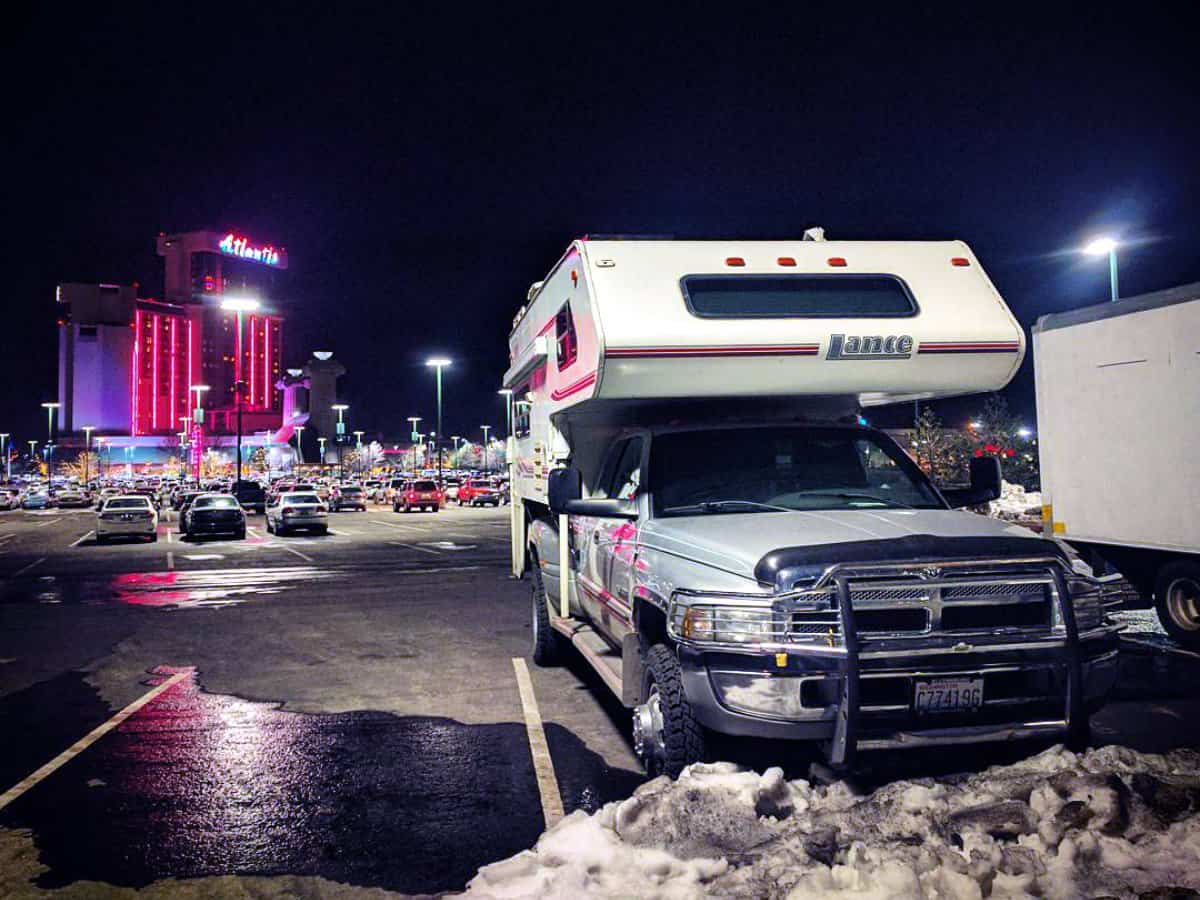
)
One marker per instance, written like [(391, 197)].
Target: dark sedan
[(213, 514)]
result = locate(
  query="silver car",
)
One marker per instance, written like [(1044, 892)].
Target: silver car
[(131, 514), (295, 510)]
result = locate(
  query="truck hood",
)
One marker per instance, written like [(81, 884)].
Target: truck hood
[(737, 542)]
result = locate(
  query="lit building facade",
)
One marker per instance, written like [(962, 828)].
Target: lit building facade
[(127, 365)]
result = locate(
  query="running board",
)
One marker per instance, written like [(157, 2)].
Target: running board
[(600, 656)]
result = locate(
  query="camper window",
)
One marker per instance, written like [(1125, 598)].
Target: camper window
[(564, 327), (797, 296)]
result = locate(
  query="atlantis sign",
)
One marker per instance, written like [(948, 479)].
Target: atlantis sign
[(234, 245)]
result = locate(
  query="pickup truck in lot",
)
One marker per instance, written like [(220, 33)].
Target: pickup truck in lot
[(701, 513)]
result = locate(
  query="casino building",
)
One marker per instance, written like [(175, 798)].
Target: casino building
[(128, 364)]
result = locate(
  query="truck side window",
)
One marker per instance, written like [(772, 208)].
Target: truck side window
[(627, 477), (564, 329)]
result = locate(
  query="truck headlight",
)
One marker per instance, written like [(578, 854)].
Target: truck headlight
[(727, 625), (1086, 601)]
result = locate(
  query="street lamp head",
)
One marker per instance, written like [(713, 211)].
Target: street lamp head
[(976, 425), (1024, 432), (240, 304), (1100, 247), (437, 362), (340, 407), (200, 388), (507, 392), (51, 405)]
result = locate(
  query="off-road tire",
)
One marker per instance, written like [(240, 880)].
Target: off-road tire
[(547, 643), (1181, 616), (682, 733)]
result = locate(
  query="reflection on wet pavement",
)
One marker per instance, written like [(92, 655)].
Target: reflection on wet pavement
[(200, 784), (211, 588)]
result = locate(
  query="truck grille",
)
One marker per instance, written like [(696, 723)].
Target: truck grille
[(910, 605)]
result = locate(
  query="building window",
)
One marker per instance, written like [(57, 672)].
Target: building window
[(568, 346)]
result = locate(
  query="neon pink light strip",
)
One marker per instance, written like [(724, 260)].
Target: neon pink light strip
[(137, 373), (154, 322), (267, 386), (174, 360), (252, 378), (190, 357)]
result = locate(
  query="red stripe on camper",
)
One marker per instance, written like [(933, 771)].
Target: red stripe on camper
[(585, 381)]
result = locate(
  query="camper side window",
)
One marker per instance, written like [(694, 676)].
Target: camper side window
[(521, 411), (564, 327)]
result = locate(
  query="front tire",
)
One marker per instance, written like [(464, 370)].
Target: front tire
[(1177, 601), (547, 643), (667, 735)]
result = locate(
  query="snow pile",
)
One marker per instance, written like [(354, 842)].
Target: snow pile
[(1015, 503), (1111, 822)]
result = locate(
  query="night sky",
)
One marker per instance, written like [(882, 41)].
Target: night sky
[(424, 165)]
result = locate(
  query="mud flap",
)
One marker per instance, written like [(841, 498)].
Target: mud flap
[(840, 751)]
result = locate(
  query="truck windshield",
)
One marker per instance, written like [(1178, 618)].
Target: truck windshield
[(781, 469)]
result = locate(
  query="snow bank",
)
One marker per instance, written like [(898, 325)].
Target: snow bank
[(1110, 822), (1015, 502)]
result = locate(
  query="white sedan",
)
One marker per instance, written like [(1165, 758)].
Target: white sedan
[(126, 514)]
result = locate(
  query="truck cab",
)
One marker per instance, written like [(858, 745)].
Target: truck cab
[(702, 514)]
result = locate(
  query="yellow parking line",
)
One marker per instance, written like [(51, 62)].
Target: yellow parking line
[(87, 740), (539, 749)]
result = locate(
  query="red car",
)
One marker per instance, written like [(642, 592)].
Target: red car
[(418, 495), (477, 491)]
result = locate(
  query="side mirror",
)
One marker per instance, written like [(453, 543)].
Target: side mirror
[(985, 484), (565, 485), (604, 508)]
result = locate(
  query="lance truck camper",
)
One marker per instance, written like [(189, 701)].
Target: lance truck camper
[(699, 512)]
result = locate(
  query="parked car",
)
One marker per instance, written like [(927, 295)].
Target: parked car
[(127, 514), (295, 510), (35, 500), (347, 496), (9, 499), (251, 495), (374, 490), (423, 494), (477, 491), (450, 488), (72, 498), (214, 514)]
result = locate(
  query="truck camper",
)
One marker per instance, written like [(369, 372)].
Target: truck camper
[(699, 512)]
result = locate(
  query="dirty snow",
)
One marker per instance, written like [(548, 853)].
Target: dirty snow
[(1016, 503), (1107, 823)]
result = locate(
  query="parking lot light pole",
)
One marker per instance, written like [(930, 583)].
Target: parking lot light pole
[(340, 409), (438, 363), (50, 408), (299, 448), (358, 448), (87, 449), (1106, 246), (486, 429), (321, 441), (7, 459), (413, 420), (198, 419), (239, 306), (33, 449)]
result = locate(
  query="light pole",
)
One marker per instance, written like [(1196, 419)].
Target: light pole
[(507, 394), (87, 450), (4, 452), (50, 408), (1106, 246), (299, 447), (340, 409), (438, 363), (198, 419), (33, 450), (239, 305), (413, 436), (486, 429), (359, 450), (321, 441)]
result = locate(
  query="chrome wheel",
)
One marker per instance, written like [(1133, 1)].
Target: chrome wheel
[(1183, 603), (649, 741)]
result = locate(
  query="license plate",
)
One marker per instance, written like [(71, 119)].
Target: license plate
[(951, 695)]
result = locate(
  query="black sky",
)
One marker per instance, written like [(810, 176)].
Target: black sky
[(424, 164)]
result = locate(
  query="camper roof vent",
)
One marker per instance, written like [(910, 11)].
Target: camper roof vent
[(532, 292), (815, 233)]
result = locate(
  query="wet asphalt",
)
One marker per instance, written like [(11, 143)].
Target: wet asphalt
[(351, 710), (353, 713)]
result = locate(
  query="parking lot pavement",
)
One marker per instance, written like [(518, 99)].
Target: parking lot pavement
[(354, 713), (349, 714)]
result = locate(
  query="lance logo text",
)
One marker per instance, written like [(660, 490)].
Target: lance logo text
[(892, 346)]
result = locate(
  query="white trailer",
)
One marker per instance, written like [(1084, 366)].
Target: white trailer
[(1118, 397)]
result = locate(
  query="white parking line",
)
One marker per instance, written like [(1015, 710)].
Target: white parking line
[(293, 550), (543, 765), (87, 740), (170, 536), (415, 547), (82, 539), (170, 560), (22, 571)]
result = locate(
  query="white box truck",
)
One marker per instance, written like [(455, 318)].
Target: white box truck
[(1118, 399), (700, 512)]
